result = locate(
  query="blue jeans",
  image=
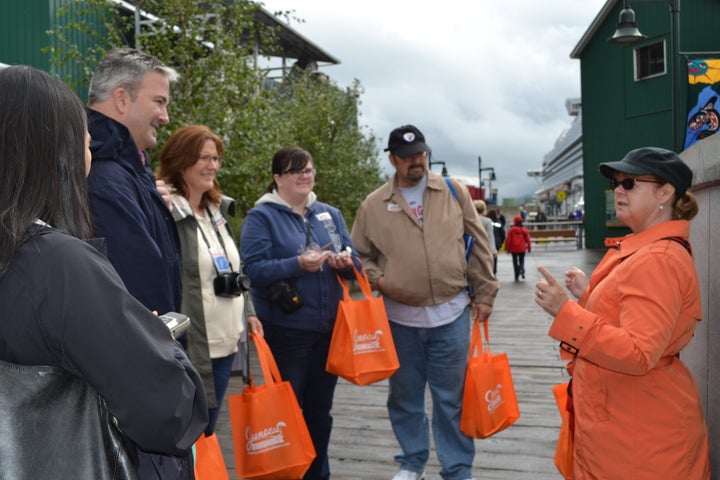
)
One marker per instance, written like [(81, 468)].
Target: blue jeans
[(436, 357), (221, 369), (301, 356)]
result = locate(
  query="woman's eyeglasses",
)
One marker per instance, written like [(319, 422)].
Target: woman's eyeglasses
[(629, 182), (210, 159), (302, 172)]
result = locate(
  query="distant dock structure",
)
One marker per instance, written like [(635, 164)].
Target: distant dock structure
[(560, 194)]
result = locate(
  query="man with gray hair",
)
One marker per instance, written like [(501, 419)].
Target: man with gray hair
[(128, 99)]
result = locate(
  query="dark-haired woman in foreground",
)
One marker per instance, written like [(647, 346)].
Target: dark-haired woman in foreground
[(62, 303)]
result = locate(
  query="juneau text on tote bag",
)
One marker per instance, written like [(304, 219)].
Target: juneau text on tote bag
[(270, 438), (489, 401), (362, 350)]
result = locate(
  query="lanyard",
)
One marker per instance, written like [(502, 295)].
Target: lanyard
[(219, 237)]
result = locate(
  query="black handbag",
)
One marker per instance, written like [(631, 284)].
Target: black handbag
[(285, 295), (55, 425)]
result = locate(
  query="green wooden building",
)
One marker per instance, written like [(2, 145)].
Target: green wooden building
[(24, 37), (627, 90)]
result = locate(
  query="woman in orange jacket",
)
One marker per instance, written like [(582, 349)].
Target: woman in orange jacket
[(516, 244), (637, 407)]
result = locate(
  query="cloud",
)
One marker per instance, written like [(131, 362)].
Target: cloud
[(483, 79)]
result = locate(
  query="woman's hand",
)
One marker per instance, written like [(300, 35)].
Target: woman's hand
[(339, 262), (254, 325), (549, 294), (164, 191), (576, 281), (312, 261)]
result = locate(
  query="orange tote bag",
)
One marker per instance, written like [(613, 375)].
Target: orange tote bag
[(362, 350), (489, 401), (565, 444), (270, 438), (209, 461)]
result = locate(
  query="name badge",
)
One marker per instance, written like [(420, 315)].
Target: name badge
[(323, 216), (220, 260), (394, 207), (220, 221)]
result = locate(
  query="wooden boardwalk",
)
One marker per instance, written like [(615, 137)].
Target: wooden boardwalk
[(363, 444)]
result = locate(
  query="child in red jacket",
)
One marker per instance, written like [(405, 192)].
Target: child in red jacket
[(516, 243)]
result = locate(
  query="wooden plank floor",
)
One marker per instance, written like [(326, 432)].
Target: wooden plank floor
[(363, 445)]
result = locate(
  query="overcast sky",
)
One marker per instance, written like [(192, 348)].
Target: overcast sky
[(483, 78)]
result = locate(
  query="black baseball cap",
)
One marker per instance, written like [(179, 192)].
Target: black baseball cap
[(656, 161), (406, 140)]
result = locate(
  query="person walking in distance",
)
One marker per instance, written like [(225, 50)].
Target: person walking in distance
[(517, 243), (409, 234), (498, 220), (489, 226)]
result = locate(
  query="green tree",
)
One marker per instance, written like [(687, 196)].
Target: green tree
[(213, 45)]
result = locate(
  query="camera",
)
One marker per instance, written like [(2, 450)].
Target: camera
[(231, 284)]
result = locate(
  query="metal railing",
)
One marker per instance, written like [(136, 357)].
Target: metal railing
[(542, 232)]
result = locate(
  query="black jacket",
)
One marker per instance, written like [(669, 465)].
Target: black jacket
[(62, 304)]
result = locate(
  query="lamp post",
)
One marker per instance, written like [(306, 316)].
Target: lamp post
[(490, 178), (627, 32), (479, 172), (444, 172)]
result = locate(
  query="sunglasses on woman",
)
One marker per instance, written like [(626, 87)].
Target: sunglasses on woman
[(629, 182)]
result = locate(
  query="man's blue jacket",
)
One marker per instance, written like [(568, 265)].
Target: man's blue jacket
[(127, 210)]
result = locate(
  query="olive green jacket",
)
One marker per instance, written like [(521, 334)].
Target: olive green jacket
[(192, 302)]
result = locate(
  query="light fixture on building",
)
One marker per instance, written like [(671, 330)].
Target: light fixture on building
[(627, 32), (627, 28)]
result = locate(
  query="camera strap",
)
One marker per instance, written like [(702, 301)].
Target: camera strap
[(220, 239)]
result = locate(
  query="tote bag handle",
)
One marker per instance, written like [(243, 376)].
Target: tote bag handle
[(476, 340), (362, 280), (269, 367)]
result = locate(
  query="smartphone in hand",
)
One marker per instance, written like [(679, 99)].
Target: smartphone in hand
[(177, 323)]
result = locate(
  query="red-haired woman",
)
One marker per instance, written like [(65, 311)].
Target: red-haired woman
[(214, 296)]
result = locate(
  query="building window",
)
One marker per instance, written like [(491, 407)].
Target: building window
[(650, 61)]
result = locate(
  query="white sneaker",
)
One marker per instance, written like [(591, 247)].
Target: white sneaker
[(408, 475)]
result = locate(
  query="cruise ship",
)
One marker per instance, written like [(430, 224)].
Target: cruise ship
[(560, 194)]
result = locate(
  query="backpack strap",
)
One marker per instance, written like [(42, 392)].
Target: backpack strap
[(452, 188), (468, 239)]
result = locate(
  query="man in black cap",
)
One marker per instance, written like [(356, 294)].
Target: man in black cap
[(409, 234)]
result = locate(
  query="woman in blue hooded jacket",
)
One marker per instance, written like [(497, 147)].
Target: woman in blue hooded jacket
[(292, 248)]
